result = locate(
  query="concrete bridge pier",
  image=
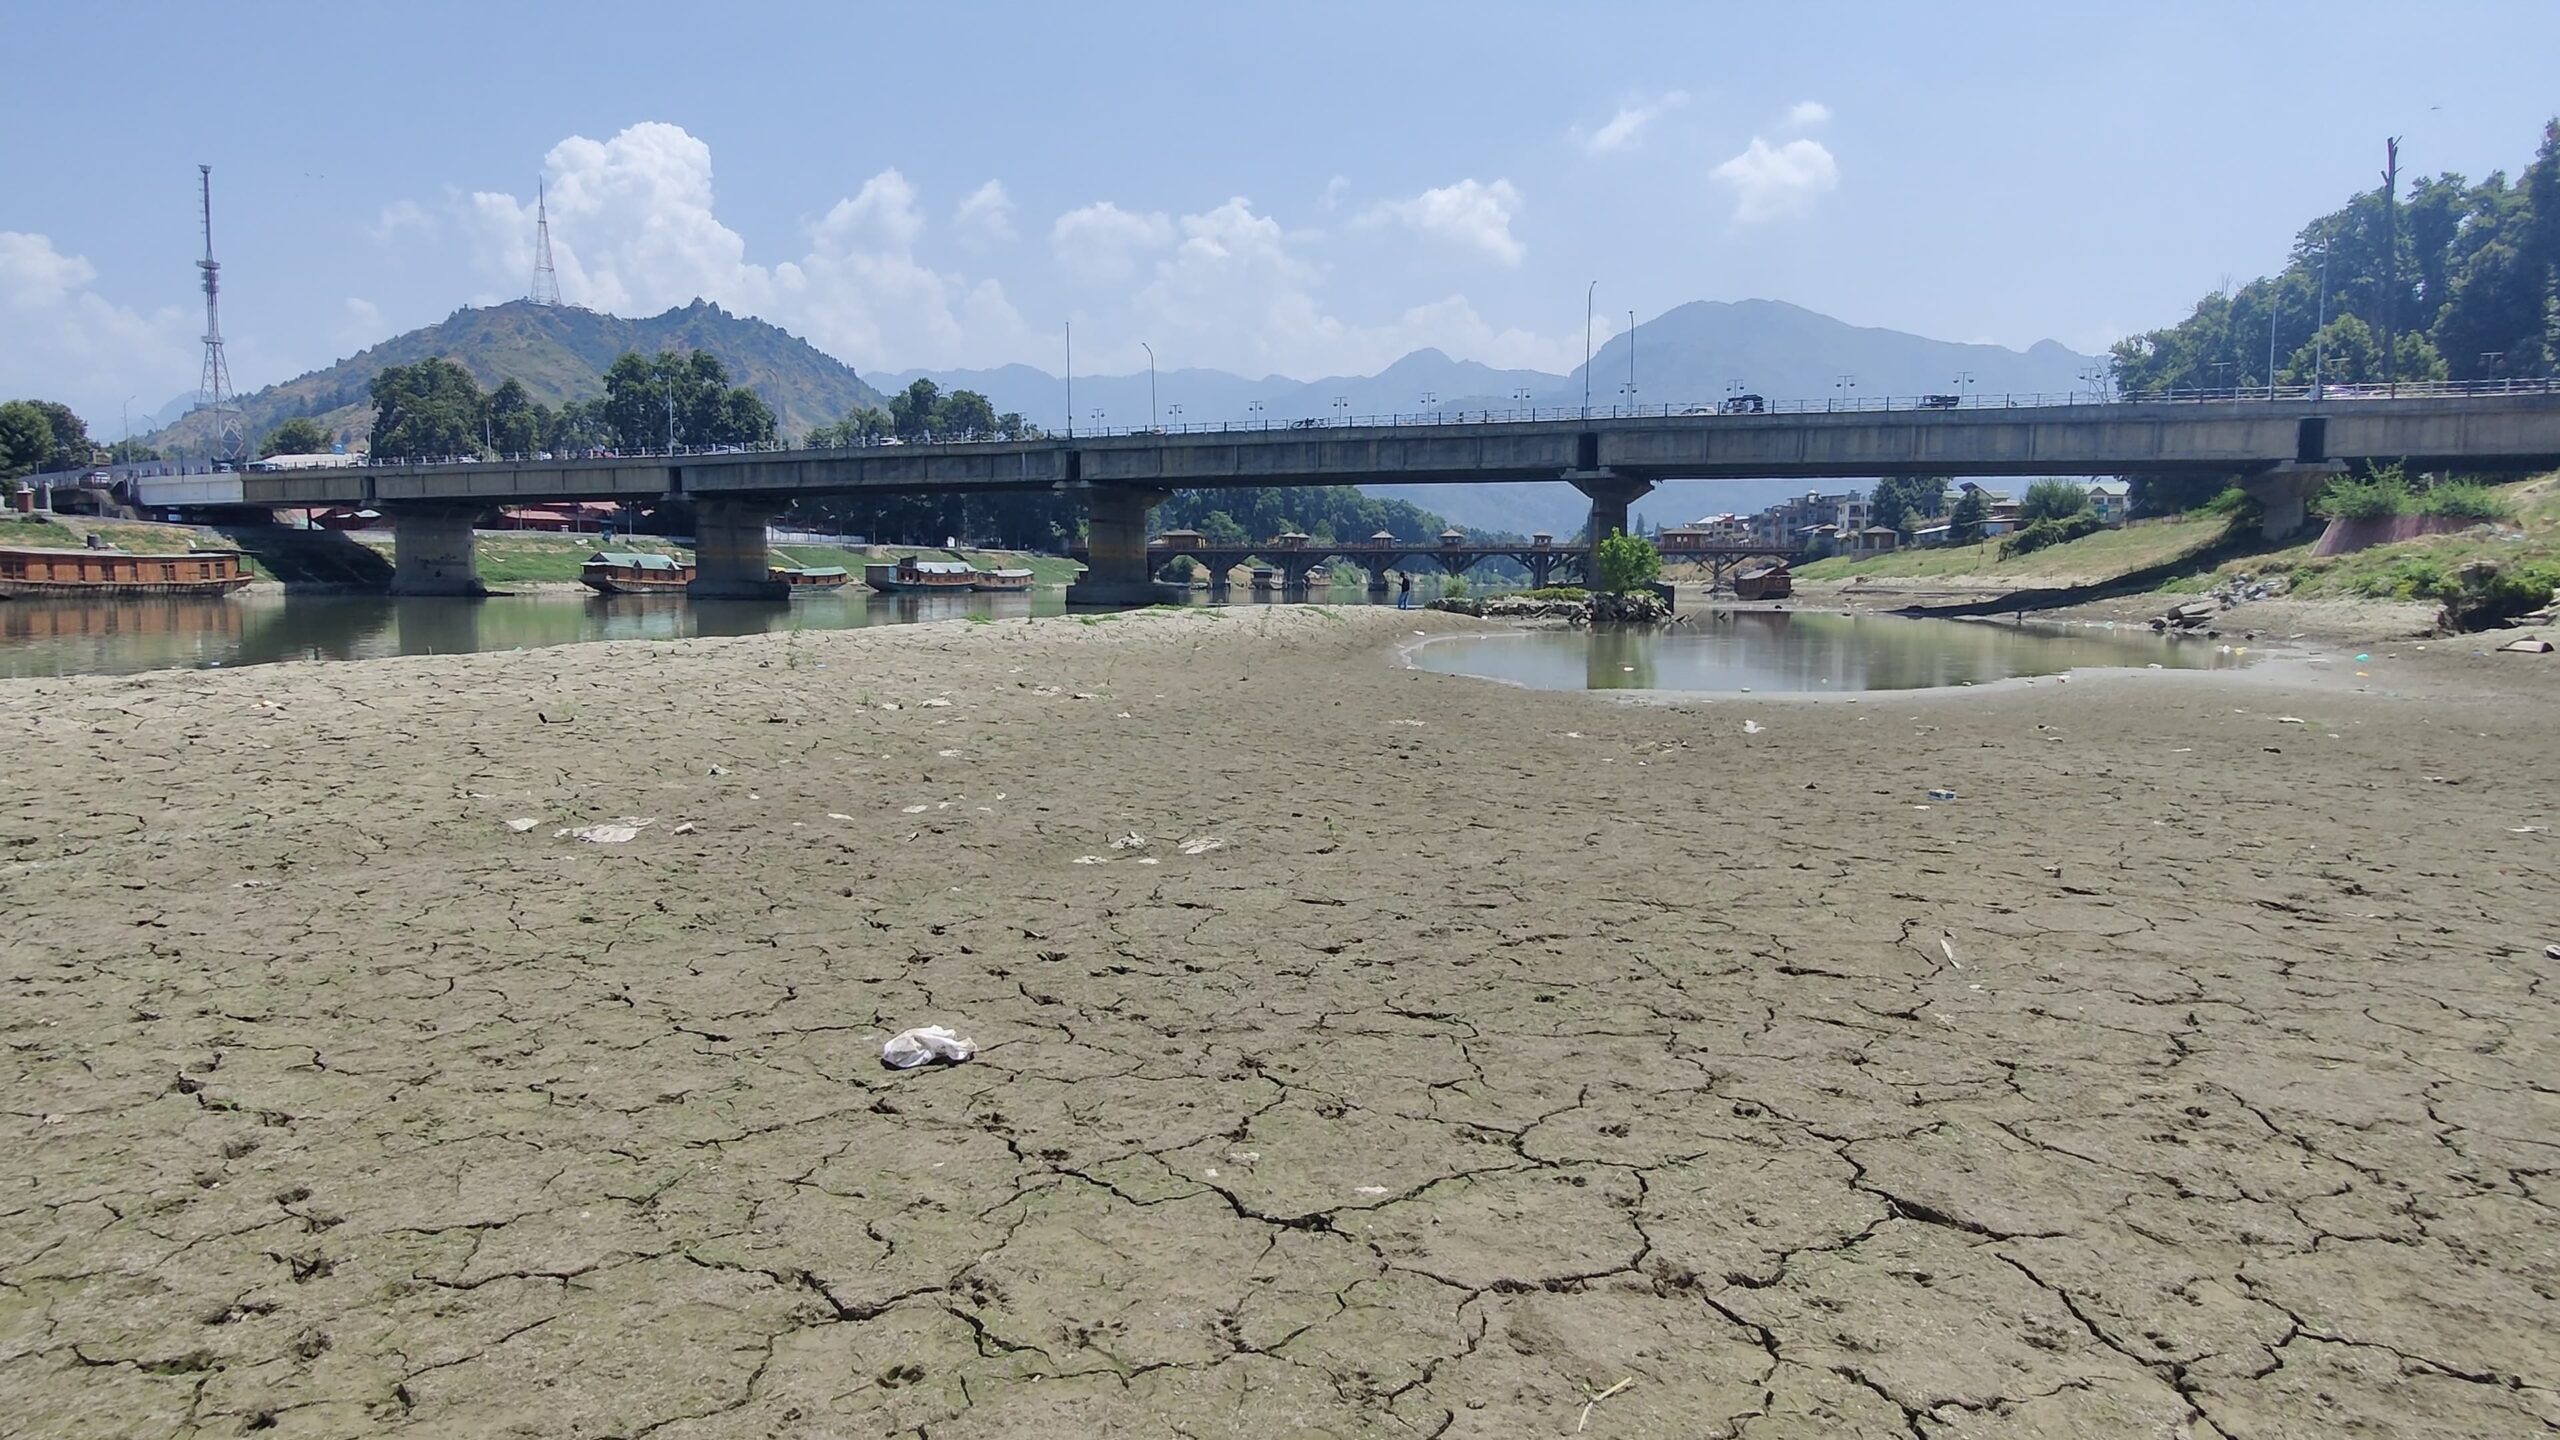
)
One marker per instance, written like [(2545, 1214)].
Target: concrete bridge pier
[(1610, 494), (1378, 572), (1118, 570), (432, 552), (730, 561), (2284, 492)]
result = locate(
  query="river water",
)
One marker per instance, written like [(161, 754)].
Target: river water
[(1783, 652), (115, 637)]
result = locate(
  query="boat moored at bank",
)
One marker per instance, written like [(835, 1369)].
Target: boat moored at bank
[(633, 572), (34, 573), (910, 575), (810, 579)]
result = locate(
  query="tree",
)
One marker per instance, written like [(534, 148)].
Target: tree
[(1901, 502), (26, 438), (300, 435), (911, 410), (865, 426), (2052, 500), (1626, 562), (516, 421), (650, 400), (1964, 523), (433, 408), (71, 444)]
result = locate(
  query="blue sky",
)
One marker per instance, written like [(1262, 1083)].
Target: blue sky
[(1305, 190)]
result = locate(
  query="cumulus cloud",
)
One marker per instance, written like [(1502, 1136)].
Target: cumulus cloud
[(1470, 214), (1628, 125), (1334, 191), (634, 230), (985, 218), (399, 218), (1101, 243), (68, 343), (1771, 182), (359, 323), (1805, 114)]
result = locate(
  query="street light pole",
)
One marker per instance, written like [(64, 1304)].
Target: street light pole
[(1151, 383), (1631, 359), (2319, 337), (1587, 297), (1071, 379)]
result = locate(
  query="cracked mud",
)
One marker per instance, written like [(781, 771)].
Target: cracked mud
[(1502, 1047)]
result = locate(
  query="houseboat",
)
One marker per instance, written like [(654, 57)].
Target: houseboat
[(631, 572), (29, 573), (1770, 582), (913, 576), (1005, 582), (810, 579)]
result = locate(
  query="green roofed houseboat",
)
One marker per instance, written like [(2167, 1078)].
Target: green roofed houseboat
[(633, 572)]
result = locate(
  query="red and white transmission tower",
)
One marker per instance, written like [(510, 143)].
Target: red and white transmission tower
[(213, 390)]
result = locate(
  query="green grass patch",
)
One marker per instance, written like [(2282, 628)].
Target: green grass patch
[(41, 534), (2090, 559)]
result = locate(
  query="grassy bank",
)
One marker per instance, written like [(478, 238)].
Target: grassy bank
[(2090, 559), (2525, 549)]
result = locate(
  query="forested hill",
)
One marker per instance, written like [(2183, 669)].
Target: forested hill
[(559, 354), (2464, 275)]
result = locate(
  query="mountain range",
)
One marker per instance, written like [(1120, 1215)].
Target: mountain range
[(1694, 354)]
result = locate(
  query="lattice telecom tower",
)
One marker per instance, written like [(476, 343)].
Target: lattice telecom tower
[(546, 281), (213, 391)]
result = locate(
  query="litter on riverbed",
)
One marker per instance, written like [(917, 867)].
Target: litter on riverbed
[(1750, 727), (614, 832), (910, 1048), (1942, 794), (521, 826)]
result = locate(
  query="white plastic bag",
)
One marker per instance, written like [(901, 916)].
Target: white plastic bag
[(910, 1048)]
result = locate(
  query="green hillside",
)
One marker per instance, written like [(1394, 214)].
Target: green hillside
[(559, 353)]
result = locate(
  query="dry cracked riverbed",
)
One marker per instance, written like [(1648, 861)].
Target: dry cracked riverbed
[(1443, 1060)]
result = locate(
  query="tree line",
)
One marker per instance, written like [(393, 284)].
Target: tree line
[(2465, 277), (436, 408)]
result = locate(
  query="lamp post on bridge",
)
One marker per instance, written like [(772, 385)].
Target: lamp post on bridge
[(1847, 385), (1587, 297), (1431, 403), (1631, 362), (1151, 383), (1175, 410), (1341, 409), (1520, 398), (1965, 383), (1253, 408)]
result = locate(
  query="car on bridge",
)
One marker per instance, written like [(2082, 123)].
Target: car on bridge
[(1743, 405)]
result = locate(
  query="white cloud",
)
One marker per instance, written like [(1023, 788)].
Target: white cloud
[(359, 324), (66, 342), (1805, 114), (1771, 182), (1628, 125), (399, 218), (634, 231), (1334, 190), (882, 216), (986, 217), (1471, 214), (1100, 243)]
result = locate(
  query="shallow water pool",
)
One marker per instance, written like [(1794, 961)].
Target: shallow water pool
[(1789, 651)]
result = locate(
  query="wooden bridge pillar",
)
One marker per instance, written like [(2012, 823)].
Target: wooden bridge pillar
[(730, 561), (432, 551), (1118, 568)]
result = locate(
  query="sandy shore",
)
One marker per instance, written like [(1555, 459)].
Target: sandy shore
[(1441, 1057)]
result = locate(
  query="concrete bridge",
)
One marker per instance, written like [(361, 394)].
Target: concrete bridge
[(2281, 447)]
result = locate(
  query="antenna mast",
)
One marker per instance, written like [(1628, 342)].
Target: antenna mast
[(213, 389), (546, 281)]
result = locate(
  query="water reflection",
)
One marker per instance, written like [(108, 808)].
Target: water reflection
[(1788, 651), (113, 637)]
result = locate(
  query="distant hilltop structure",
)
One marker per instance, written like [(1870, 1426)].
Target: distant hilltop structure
[(546, 280)]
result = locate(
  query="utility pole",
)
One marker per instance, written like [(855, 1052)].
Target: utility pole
[(1071, 379), (2390, 254), (1587, 297), (1631, 360)]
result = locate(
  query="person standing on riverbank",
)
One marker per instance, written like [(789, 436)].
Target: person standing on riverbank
[(1404, 592)]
